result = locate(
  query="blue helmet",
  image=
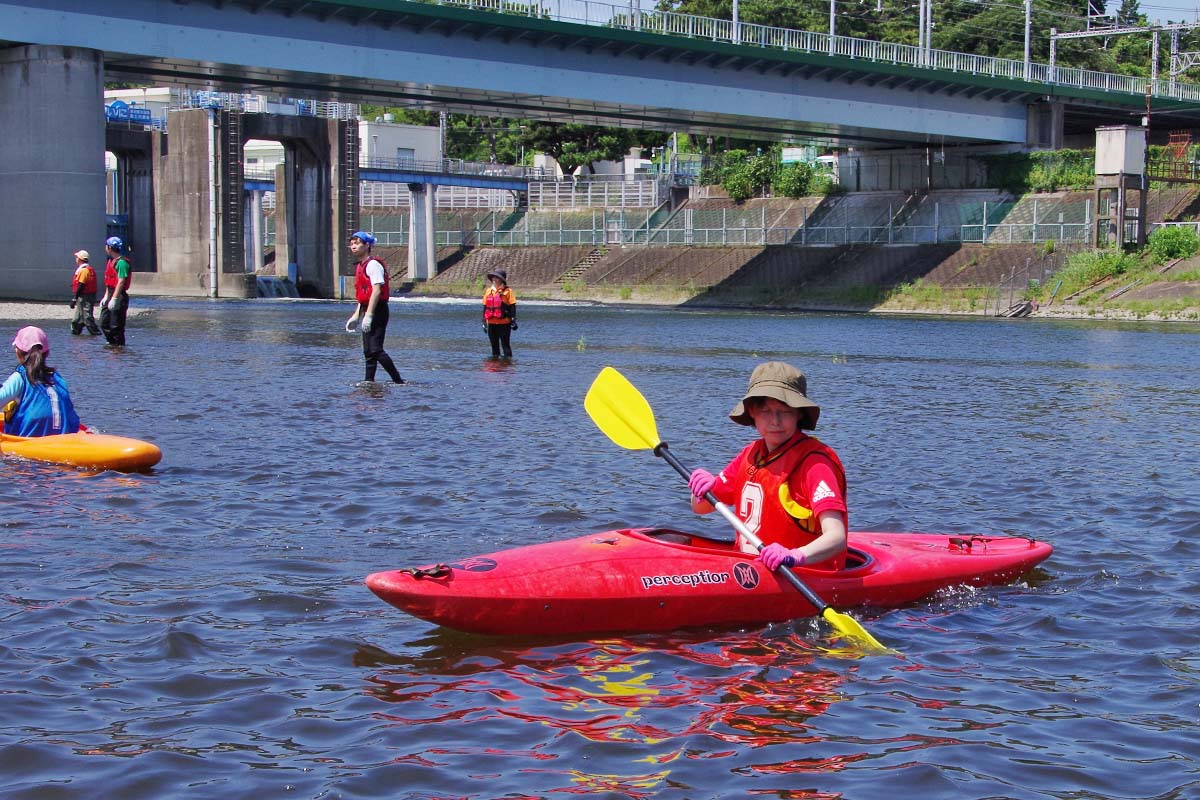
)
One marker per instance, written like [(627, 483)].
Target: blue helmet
[(364, 237), (115, 243)]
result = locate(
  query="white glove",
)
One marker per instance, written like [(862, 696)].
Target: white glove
[(350, 324), (366, 324)]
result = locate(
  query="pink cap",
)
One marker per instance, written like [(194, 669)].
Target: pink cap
[(29, 336)]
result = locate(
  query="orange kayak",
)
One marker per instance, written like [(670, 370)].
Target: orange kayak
[(86, 450)]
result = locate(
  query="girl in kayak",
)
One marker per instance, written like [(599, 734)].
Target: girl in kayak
[(499, 313), (787, 487), (37, 395)]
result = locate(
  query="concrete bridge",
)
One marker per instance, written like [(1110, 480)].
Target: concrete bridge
[(573, 60)]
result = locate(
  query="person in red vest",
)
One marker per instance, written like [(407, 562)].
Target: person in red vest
[(499, 313), (115, 303), (371, 292), (787, 487), (83, 295)]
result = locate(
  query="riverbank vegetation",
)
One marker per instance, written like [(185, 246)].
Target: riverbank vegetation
[(1158, 281)]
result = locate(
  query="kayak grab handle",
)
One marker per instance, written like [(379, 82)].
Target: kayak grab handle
[(959, 543), (436, 571)]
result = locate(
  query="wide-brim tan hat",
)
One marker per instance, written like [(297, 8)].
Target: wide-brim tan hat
[(784, 383)]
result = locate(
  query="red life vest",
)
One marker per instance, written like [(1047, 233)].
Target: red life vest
[(752, 487), (89, 286), (493, 305), (110, 272), (362, 283)]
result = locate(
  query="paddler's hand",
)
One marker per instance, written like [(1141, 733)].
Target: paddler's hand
[(775, 555), (366, 323), (350, 323), (701, 483), (514, 325), (72, 303)]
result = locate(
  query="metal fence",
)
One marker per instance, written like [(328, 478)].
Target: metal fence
[(630, 16)]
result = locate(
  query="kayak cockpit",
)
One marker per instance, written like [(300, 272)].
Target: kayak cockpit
[(855, 559)]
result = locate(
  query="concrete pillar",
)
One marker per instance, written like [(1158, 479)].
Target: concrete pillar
[(285, 263), (187, 209), (1044, 124), (422, 250), (51, 166), (252, 224)]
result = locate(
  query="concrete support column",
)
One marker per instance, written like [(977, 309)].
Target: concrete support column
[(422, 236), (52, 202), (285, 263), (1044, 125), (252, 225)]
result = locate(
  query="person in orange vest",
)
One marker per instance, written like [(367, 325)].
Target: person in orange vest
[(788, 488), (371, 292), (83, 295), (115, 303), (499, 313)]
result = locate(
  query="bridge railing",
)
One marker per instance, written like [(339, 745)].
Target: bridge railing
[(454, 166), (670, 23)]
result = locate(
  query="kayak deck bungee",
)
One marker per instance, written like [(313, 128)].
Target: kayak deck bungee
[(654, 579), (84, 449)]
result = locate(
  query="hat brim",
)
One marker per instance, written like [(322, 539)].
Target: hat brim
[(777, 390), (491, 275)]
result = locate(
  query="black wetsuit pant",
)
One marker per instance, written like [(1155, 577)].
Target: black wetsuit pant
[(373, 350), (499, 335), (112, 318)]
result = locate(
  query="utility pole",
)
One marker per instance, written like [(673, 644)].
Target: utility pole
[(1028, 16), (737, 31), (832, 25)]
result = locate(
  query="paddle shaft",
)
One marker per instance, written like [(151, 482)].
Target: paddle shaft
[(663, 452)]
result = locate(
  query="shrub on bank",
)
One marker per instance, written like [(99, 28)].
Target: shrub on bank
[(1089, 267), (1173, 241)]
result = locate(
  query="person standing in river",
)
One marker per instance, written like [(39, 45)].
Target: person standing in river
[(115, 304), (499, 313), (371, 293), (83, 295)]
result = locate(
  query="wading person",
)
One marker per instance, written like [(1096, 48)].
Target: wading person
[(371, 294), (787, 487), (83, 295), (115, 304), (35, 398), (499, 313)]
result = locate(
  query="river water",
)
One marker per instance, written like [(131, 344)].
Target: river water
[(203, 630)]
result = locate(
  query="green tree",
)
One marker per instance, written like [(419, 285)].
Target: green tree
[(573, 145)]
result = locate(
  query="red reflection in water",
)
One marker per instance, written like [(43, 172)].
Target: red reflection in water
[(744, 691)]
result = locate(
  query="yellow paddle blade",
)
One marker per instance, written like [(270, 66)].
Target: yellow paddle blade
[(620, 411), (850, 628)]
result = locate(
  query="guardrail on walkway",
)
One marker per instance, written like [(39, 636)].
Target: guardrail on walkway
[(668, 23)]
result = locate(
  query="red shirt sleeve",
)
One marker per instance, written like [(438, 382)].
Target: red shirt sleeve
[(728, 486), (819, 487)]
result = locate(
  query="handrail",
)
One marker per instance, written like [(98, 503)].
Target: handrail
[(671, 23), (454, 166)]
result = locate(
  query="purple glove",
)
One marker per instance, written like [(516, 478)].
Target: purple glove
[(701, 482), (775, 555)]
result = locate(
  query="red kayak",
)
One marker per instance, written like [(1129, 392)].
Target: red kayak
[(651, 579)]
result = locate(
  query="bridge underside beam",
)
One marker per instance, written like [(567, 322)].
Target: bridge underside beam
[(613, 82)]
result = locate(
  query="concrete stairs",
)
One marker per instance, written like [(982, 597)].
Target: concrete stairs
[(577, 270)]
